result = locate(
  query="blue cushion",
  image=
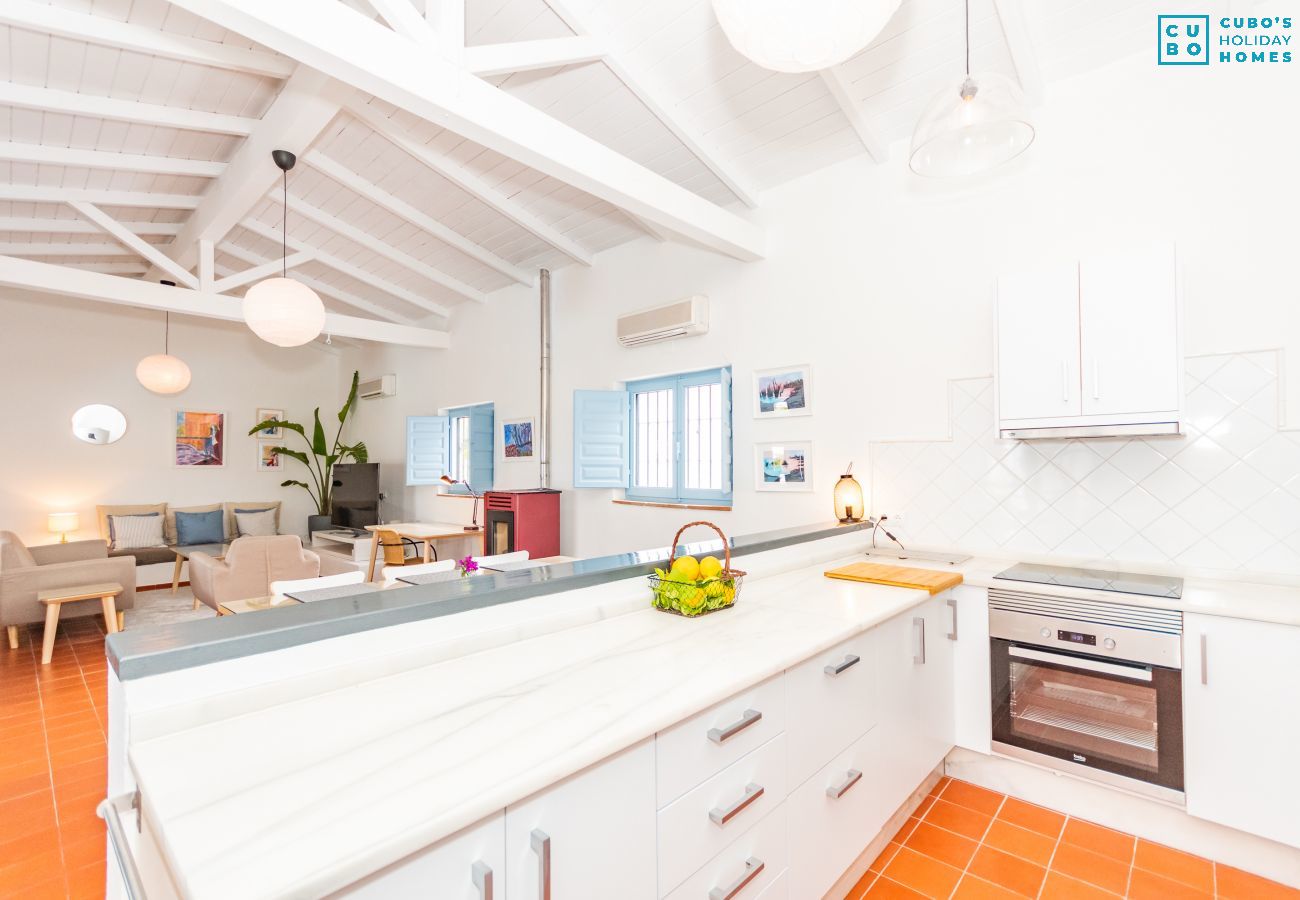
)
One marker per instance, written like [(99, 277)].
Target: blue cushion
[(199, 527)]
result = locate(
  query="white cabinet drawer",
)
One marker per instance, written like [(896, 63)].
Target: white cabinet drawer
[(459, 867), (694, 750), (835, 814), (766, 844), (830, 705), (698, 825)]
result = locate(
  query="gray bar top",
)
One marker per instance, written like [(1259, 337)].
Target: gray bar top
[(168, 648)]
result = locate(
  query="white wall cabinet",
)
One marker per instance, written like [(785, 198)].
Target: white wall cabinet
[(1093, 346), (592, 835), (1241, 688)]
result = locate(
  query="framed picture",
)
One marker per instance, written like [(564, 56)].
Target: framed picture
[(200, 440), (267, 459), (785, 466), (784, 391), (517, 439), (270, 434)]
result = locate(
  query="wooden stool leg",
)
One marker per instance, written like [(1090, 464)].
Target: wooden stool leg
[(51, 627), (121, 620), (110, 613), (374, 552), (13, 637)]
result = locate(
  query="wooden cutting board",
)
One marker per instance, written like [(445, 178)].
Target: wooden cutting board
[(930, 580)]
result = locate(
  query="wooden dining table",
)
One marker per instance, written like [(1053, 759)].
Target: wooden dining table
[(421, 532)]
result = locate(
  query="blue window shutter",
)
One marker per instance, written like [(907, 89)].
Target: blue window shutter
[(728, 458), (428, 449), (601, 424), (482, 452)]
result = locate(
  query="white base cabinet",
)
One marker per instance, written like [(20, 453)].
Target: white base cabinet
[(972, 691), (1241, 724), (468, 865)]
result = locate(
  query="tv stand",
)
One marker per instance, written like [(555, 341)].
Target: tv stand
[(344, 546)]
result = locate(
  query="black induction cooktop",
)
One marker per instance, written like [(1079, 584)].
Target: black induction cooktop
[(1096, 580)]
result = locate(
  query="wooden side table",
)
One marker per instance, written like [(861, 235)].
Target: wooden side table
[(53, 600)]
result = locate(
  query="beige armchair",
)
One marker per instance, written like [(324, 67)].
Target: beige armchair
[(25, 571), (249, 567)]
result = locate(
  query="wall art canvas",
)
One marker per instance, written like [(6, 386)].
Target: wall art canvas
[(200, 439), (785, 466), (517, 439), (270, 434), (784, 391)]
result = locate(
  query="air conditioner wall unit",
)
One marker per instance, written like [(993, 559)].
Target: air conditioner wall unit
[(649, 326), (383, 386)]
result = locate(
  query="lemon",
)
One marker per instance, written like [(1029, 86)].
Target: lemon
[(686, 568), (714, 589), (693, 600), (710, 567)]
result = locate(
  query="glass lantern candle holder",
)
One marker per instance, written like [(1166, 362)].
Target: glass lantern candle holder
[(849, 505)]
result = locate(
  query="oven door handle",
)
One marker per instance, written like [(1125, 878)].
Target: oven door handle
[(1074, 662)]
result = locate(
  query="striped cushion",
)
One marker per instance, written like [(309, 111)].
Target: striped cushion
[(132, 532)]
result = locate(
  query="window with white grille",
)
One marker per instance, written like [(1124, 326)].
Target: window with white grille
[(681, 438)]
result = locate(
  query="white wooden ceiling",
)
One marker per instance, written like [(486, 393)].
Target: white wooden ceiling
[(404, 220)]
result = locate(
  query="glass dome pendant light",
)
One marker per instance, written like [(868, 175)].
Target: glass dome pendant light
[(972, 126), (802, 35), (283, 311), (163, 373)]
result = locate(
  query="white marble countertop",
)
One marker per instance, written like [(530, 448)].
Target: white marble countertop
[(301, 798)]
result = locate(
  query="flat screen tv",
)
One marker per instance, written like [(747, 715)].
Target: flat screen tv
[(356, 495)]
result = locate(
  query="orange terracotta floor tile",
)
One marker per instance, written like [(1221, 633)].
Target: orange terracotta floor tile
[(973, 844)]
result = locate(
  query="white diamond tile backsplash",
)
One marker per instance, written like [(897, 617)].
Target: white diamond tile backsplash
[(1225, 497)]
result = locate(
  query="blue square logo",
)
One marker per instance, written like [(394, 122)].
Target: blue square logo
[(1183, 40)]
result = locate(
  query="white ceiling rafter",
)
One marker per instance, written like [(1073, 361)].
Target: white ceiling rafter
[(875, 145), (106, 32), (265, 270), (344, 267), (15, 248), (304, 108), (73, 282), (399, 207), (367, 56), (1015, 30), (108, 268), (364, 239), (527, 56), (23, 193), (320, 287), (76, 226), (134, 242), (78, 104), (467, 181), (656, 100), (403, 18), (41, 154), (447, 17)]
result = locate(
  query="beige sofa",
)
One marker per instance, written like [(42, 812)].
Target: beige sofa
[(149, 555), (249, 567), (25, 571)]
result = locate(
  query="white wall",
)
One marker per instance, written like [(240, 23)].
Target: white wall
[(885, 282), (57, 354)]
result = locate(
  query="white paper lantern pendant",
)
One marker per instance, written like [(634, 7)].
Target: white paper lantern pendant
[(802, 35), (283, 311), (163, 373)]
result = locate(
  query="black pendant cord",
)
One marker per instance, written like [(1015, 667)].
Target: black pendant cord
[(284, 219), (167, 333)]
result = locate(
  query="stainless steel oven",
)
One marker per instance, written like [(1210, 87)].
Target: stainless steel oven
[(1090, 687)]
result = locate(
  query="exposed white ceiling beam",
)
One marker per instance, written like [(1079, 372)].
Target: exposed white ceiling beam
[(320, 287), (71, 282), (662, 107), (12, 151), (399, 207), (106, 32), (359, 236), (108, 268), (872, 142), (23, 193), (472, 184), (304, 108), (265, 270), (365, 276), (403, 18), (134, 242), (76, 226), (1019, 44), (76, 104), (447, 17), (526, 56), (17, 249), (362, 53)]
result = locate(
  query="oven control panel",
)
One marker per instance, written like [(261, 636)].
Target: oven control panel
[(1111, 641)]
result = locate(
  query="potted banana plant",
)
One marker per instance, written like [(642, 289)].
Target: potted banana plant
[(320, 456)]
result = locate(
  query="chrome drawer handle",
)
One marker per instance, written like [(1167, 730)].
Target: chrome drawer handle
[(918, 623), (952, 604), (723, 816), (849, 662), (482, 875), (110, 811), (836, 791), (749, 717), (753, 866), (541, 842)]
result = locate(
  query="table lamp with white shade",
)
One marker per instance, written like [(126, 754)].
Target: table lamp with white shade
[(62, 523)]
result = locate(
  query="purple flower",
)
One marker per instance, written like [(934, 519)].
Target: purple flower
[(467, 565)]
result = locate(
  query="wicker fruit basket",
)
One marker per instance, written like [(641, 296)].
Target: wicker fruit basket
[(684, 589)]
